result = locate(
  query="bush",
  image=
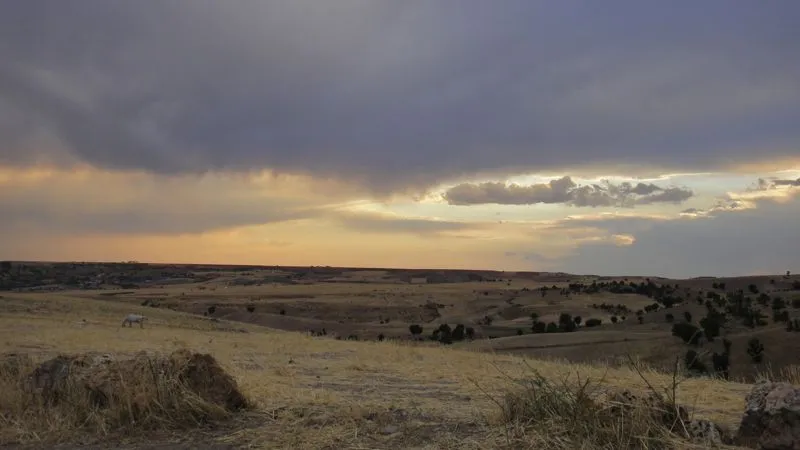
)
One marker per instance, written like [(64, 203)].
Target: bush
[(415, 329), (566, 323), (755, 349), (381, 337), (470, 332), (711, 325), (211, 310), (445, 336), (552, 327), (614, 319), (689, 333), (539, 327), (520, 332), (670, 318), (251, 308), (693, 363), (780, 316), (568, 414), (282, 312), (458, 333), (722, 361), (593, 323)]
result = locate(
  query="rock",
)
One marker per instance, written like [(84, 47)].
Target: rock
[(771, 420), (390, 429), (707, 432)]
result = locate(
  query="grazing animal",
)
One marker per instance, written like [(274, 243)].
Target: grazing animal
[(131, 318)]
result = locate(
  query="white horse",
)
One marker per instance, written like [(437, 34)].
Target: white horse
[(130, 319)]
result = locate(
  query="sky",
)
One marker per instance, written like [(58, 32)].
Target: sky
[(624, 137)]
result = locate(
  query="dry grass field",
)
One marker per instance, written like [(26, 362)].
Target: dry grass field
[(323, 393)]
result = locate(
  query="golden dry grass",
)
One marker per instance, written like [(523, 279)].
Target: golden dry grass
[(99, 396), (323, 393)]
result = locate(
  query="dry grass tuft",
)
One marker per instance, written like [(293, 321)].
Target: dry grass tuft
[(88, 394), (583, 414)]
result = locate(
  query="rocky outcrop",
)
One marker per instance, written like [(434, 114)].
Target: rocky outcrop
[(771, 420)]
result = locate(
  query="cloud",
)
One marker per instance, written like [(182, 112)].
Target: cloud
[(395, 96), (565, 191), (94, 202), (386, 223), (775, 183), (730, 238)]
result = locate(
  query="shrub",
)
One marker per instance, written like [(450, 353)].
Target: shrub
[(552, 327), (470, 332), (711, 325), (577, 320), (688, 333), (670, 318), (520, 332), (693, 363), (755, 349), (282, 312), (721, 364), (445, 335), (565, 323), (567, 414), (415, 329), (614, 319), (539, 327), (458, 333), (780, 316), (381, 337), (211, 310), (251, 308), (594, 323)]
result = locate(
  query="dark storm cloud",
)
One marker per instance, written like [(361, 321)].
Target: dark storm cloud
[(565, 191), (398, 94)]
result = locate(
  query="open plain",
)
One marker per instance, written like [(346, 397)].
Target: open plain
[(366, 381)]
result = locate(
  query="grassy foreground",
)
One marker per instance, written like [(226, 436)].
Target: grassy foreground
[(322, 393)]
